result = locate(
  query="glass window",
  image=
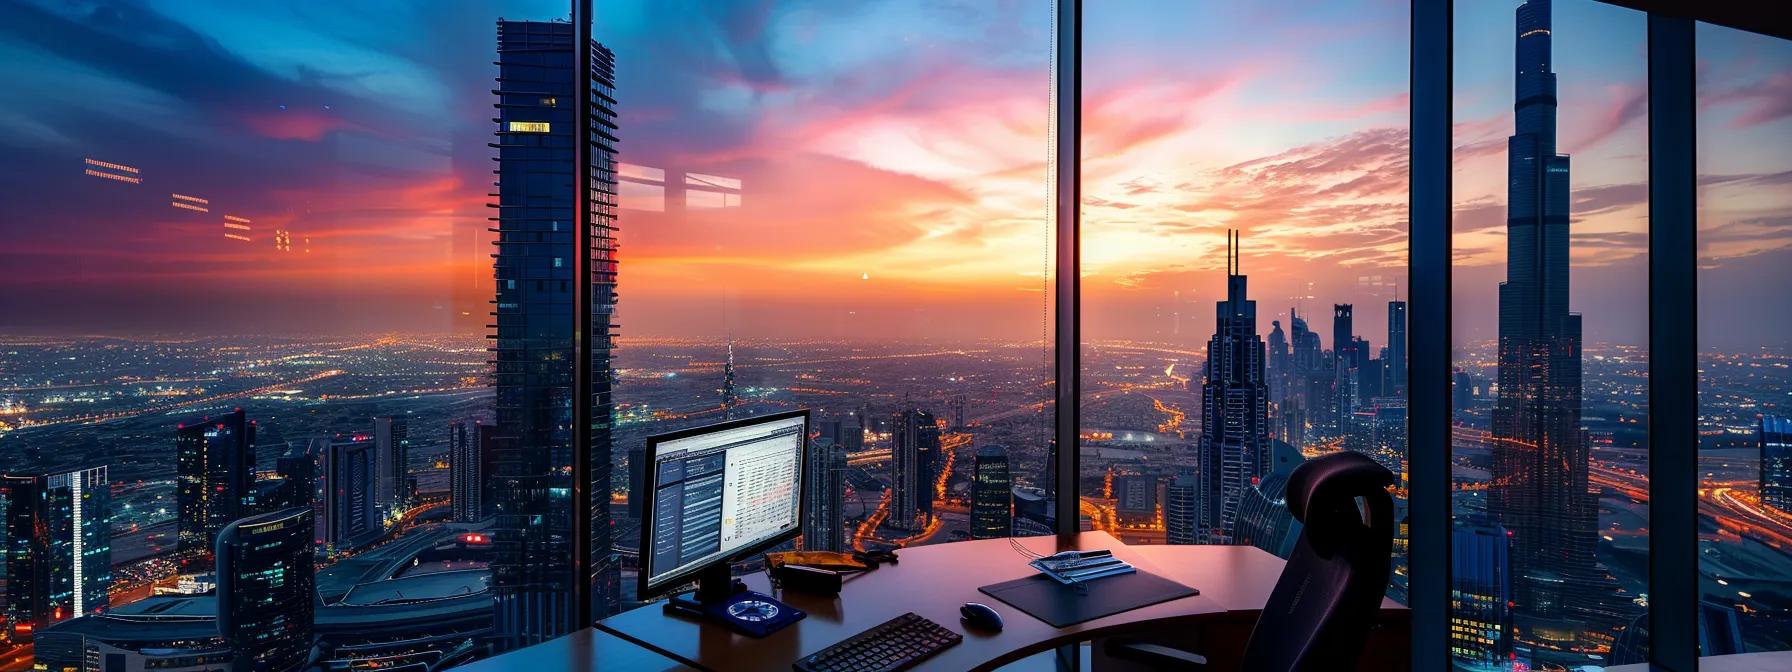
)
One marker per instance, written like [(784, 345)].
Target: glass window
[(1550, 544), (845, 209), (1745, 440), (1202, 392), (261, 396)]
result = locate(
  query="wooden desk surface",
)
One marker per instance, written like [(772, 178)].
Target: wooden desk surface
[(934, 581)]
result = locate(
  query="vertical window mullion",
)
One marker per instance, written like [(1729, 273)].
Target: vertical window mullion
[(1430, 338), (1067, 115), (1673, 348)]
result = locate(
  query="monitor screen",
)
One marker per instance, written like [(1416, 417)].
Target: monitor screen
[(721, 491)]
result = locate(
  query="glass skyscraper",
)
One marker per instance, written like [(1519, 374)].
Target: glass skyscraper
[(992, 494), (1774, 438), (1234, 448), (914, 441), (215, 467), (265, 589), (534, 315), (58, 549), (824, 524)]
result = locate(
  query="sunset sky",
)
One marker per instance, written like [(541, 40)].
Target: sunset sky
[(882, 165)]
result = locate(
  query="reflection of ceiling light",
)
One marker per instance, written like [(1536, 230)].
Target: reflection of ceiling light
[(865, 276)]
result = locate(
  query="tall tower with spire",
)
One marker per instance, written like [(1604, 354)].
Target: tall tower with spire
[(1234, 447), (1540, 453), (730, 395)]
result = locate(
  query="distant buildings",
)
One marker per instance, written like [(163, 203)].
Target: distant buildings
[(1774, 438), (847, 432), (824, 523), (265, 590), (56, 563), (992, 494), (465, 474), (1234, 448), (914, 443), (214, 470)]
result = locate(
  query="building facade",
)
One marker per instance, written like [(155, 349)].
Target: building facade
[(265, 589), (214, 469), (992, 494), (1182, 510), (464, 474), (1774, 438), (914, 443), (392, 442), (351, 477), (824, 521), (1480, 595), (536, 292), (57, 561)]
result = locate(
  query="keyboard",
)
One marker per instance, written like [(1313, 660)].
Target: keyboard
[(896, 644)]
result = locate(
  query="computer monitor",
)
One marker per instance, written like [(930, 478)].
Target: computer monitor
[(716, 494)]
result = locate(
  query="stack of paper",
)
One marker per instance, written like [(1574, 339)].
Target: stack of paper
[(1080, 566)]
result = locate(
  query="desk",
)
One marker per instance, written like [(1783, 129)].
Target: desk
[(934, 581)]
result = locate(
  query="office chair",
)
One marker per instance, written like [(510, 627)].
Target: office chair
[(1319, 614)]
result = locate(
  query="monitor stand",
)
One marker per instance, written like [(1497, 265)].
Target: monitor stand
[(723, 599)]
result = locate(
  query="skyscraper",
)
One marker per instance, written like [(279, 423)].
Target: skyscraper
[(465, 474), (1774, 437), (1393, 365), (534, 345), (392, 442), (1234, 446), (1305, 401), (1480, 591), (351, 474), (1276, 370), (265, 593), (824, 522), (57, 558), (1540, 452), (1182, 509), (1343, 336), (992, 494), (214, 468), (914, 441)]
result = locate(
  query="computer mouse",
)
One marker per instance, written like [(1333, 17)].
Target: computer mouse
[(980, 616)]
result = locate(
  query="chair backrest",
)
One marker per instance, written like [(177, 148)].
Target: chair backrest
[(1330, 593)]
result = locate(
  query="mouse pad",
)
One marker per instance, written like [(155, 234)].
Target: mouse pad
[(1065, 605)]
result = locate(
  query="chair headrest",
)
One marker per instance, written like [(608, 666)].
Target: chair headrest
[(1339, 476)]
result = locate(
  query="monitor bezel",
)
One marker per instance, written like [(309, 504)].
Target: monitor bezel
[(645, 587)]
